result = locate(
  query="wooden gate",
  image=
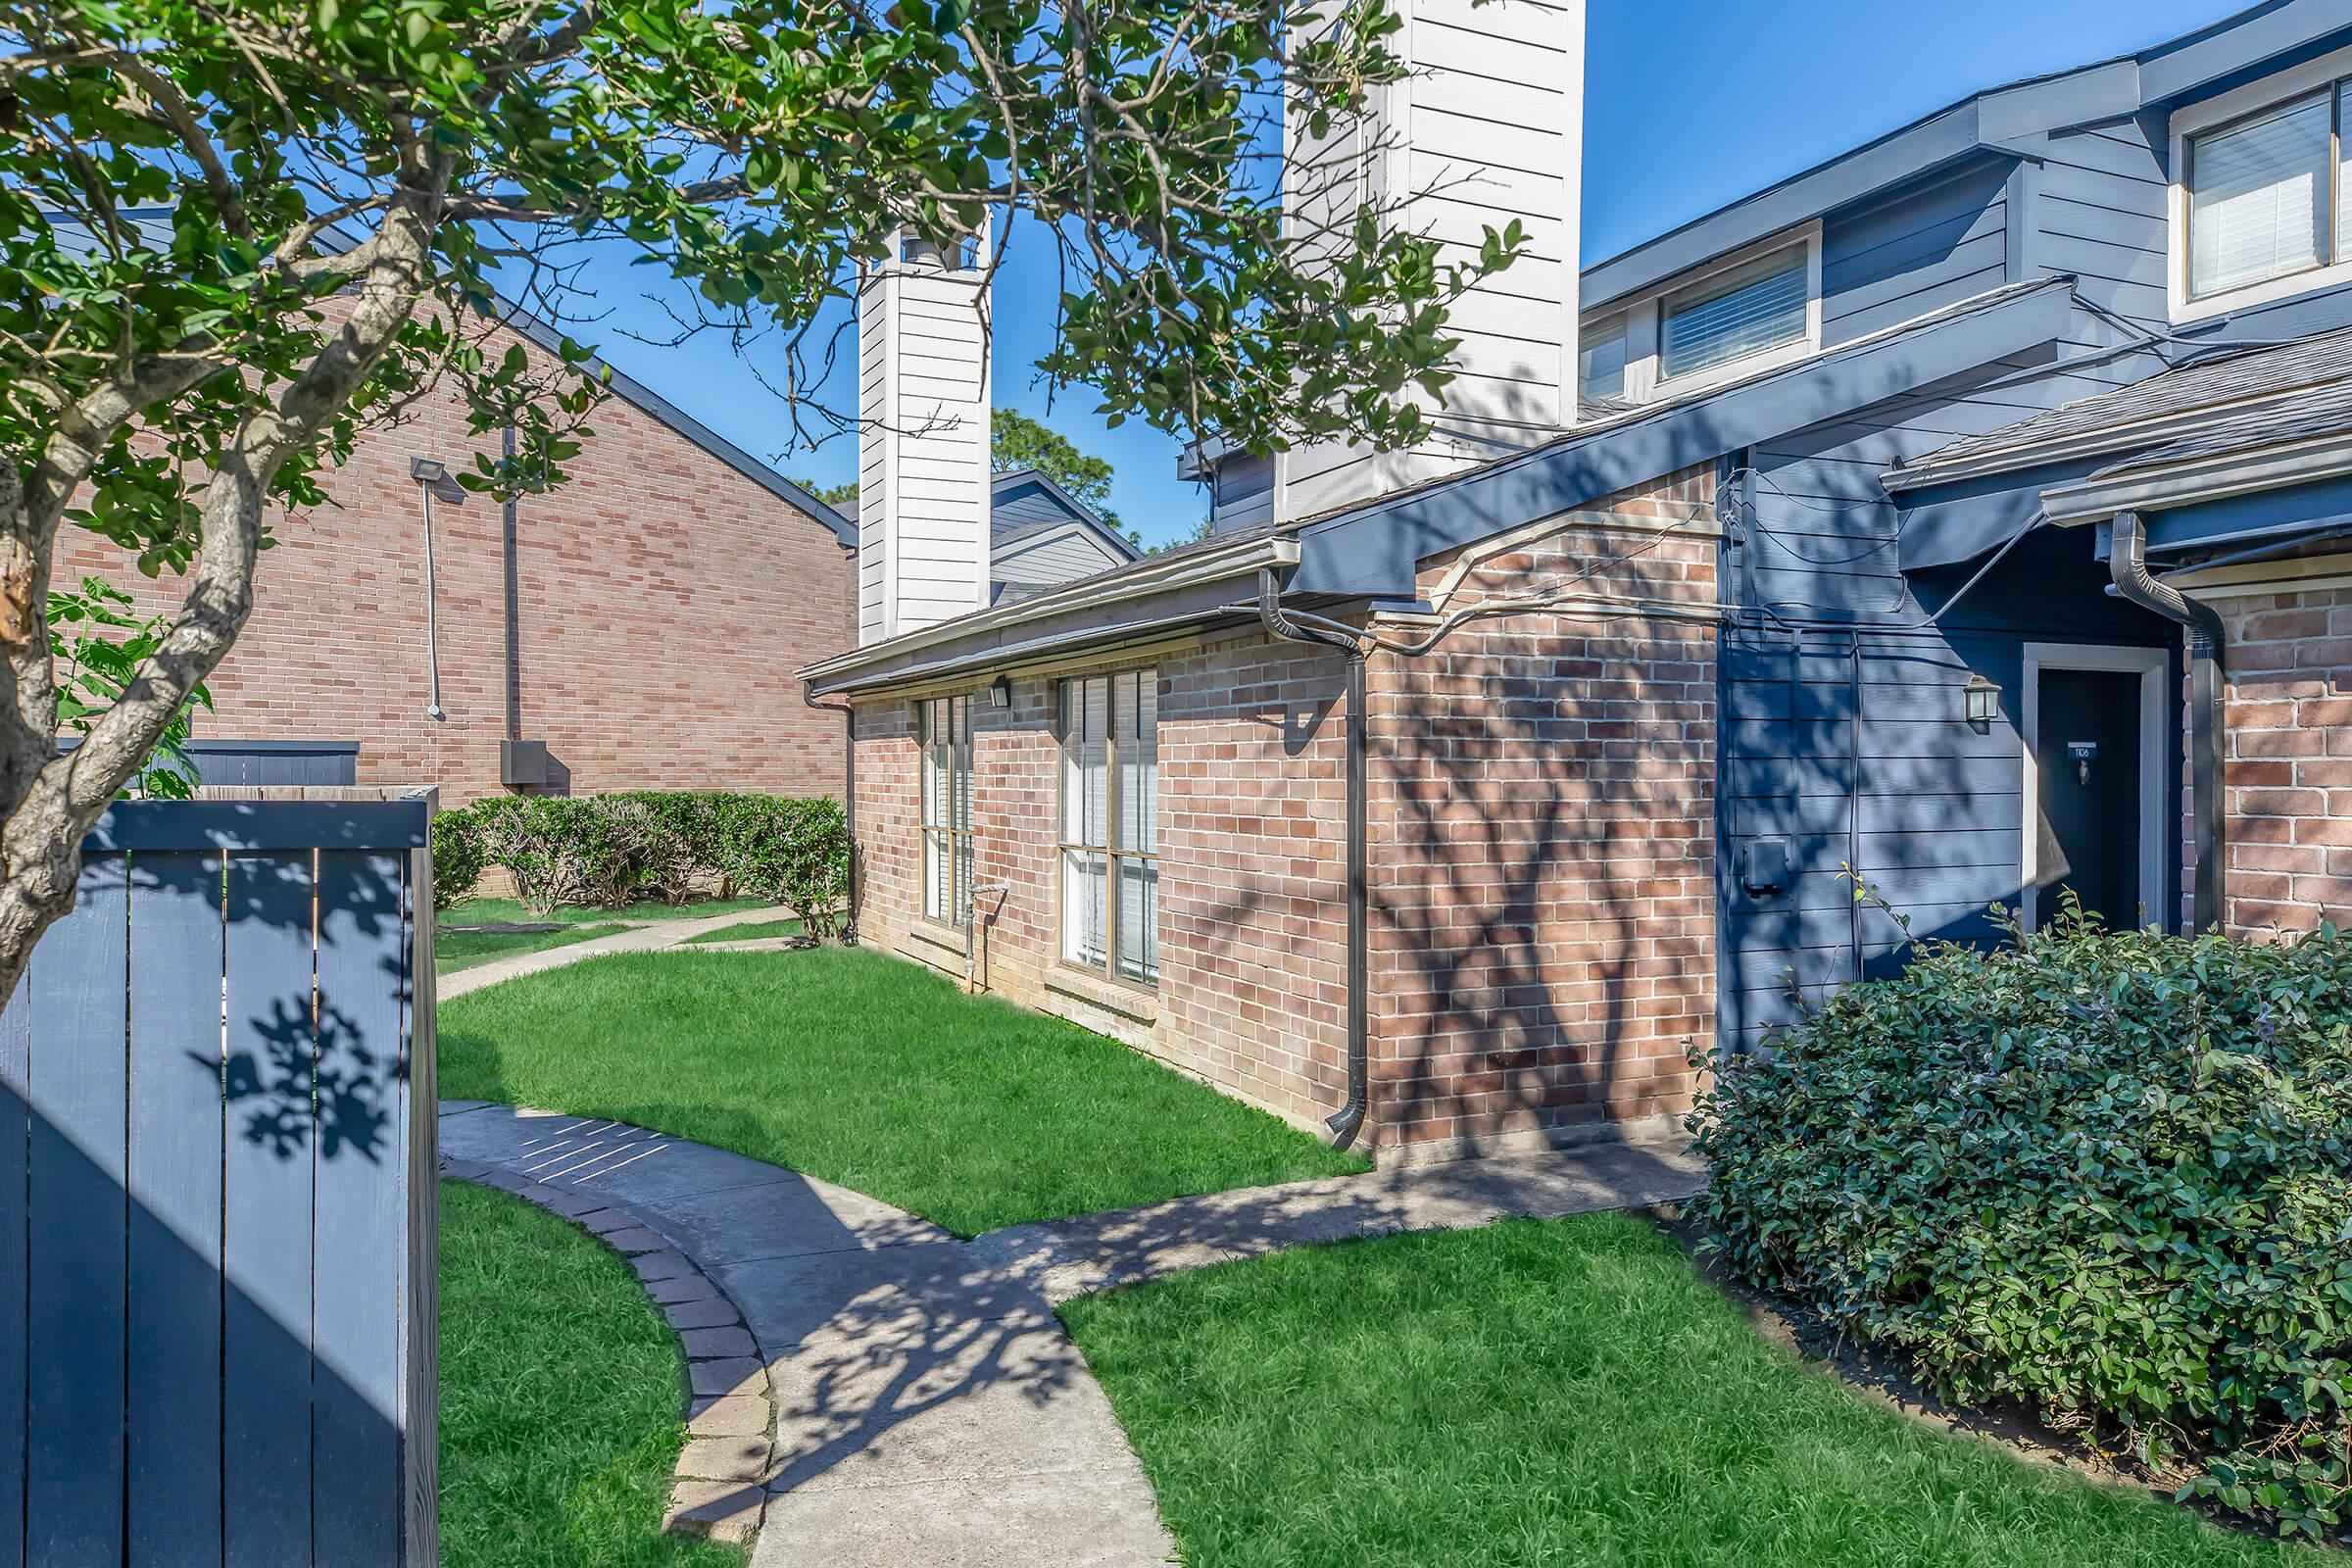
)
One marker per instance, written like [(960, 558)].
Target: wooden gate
[(218, 1196)]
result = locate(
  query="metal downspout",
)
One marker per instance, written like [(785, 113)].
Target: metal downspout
[(848, 793), (1349, 1121), (2128, 564)]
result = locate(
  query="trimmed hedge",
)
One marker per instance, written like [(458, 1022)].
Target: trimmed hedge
[(606, 851), (2108, 1176)]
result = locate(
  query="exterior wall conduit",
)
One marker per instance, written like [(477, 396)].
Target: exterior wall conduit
[(1348, 1121), (2128, 564)]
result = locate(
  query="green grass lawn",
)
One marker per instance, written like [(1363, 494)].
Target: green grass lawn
[(561, 1398), (749, 931), (868, 1071), (454, 951), (1563, 1394), (507, 911)]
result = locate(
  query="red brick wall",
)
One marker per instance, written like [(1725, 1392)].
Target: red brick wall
[(1253, 873), (2287, 759), (664, 601), (1542, 796), (1546, 953)]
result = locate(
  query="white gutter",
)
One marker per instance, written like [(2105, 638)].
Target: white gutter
[(1146, 579), (2181, 484)]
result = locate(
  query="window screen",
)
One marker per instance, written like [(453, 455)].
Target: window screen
[(1600, 359), (1743, 311), (1109, 824), (2261, 195)]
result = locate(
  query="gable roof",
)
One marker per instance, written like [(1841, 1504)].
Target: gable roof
[(154, 224), (1026, 502), (2006, 119), (2224, 403)]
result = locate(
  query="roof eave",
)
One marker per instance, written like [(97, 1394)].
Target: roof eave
[(2170, 486), (2156, 432), (888, 663)]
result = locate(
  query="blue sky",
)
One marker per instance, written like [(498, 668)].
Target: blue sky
[(1690, 104)]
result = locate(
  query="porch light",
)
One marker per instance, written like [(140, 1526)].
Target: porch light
[(1000, 692), (1983, 700)]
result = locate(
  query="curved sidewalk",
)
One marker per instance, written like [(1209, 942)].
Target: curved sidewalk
[(927, 1406)]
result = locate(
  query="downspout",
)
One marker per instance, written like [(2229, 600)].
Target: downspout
[(2128, 562), (849, 791), (1349, 1121)]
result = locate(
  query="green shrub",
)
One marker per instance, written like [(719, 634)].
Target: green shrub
[(2106, 1175), (458, 858), (610, 851)]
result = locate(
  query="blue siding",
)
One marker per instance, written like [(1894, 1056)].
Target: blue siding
[(2101, 216), (1903, 255), (1842, 729)]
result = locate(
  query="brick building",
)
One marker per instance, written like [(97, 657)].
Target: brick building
[(629, 622), (1871, 531)]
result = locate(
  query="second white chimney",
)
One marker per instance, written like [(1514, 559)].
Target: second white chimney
[(923, 439), (1487, 126)]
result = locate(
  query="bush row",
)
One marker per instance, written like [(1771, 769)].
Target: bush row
[(2108, 1176), (606, 851)]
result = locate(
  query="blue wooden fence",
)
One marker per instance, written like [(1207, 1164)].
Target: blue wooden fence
[(217, 1196)]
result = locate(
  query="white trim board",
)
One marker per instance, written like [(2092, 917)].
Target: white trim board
[(2154, 667)]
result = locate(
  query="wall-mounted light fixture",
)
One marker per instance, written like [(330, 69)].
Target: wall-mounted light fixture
[(1983, 703), (1000, 692)]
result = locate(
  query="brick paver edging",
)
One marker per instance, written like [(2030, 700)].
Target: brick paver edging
[(720, 1485)]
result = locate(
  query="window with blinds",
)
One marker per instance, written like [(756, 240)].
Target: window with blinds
[(1744, 311), (1602, 361), (2263, 195), (945, 738), (1109, 824)]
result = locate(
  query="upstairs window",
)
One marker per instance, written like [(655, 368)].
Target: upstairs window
[(945, 736), (1745, 311), (1601, 363), (1109, 824), (2261, 195)]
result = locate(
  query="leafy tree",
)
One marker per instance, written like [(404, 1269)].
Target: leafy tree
[(840, 497), (1016, 441), (235, 237)]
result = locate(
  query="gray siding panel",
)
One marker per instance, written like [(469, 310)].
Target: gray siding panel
[(16, 1209), (1057, 558), (1875, 770), (1917, 252), (74, 1302), (265, 1365), (175, 1151), (361, 1203)]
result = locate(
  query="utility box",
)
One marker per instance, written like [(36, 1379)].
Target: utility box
[(522, 765)]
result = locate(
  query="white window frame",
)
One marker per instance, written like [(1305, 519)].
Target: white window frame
[(2214, 114), (963, 843), (1645, 380), (2153, 665), (1115, 855), (1587, 331)]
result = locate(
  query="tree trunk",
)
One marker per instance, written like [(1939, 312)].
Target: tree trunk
[(53, 801)]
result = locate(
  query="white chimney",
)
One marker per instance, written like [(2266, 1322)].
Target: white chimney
[(1488, 125), (923, 443)]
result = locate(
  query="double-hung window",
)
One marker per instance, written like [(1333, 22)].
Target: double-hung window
[(1109, 824), (946, 735), (2267, 194)]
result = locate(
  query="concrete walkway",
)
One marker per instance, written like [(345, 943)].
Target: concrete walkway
[(651, 937), (927, 1406)]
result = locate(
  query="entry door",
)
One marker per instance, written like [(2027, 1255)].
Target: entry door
[(2087, 757)]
